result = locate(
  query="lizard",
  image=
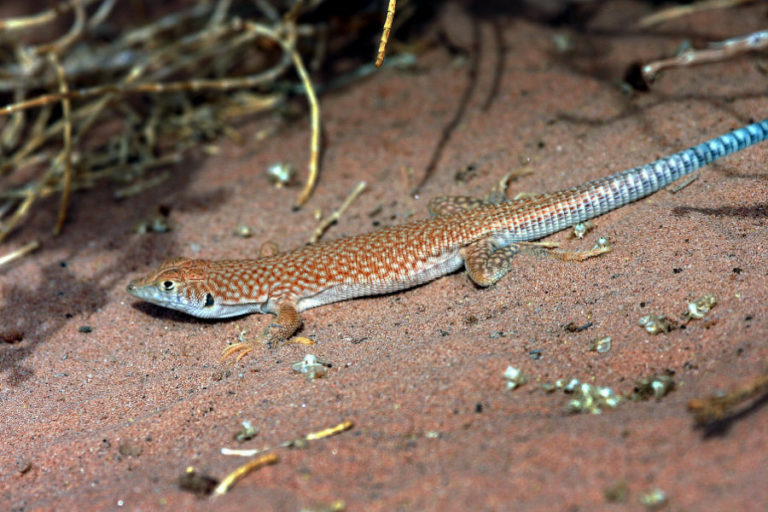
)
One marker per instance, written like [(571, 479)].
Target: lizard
[(483, 236)]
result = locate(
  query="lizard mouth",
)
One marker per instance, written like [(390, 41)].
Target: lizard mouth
[(137, 291)]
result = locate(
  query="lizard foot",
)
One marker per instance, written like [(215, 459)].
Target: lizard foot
[(274, 335), (601, 247)]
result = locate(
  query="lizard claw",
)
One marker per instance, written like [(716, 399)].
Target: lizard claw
[(241, 349), (268, 338)]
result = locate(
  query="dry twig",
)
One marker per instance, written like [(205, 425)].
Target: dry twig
[(385, 33), (716, 52), (243, 470), (320, 229), (719, 406), (677, 11), (270, 458), (20, 252), (41, 18), (314, 143), (67, 152), (312, 436)]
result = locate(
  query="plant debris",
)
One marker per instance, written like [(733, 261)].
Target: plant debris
[(655, 386), (716, 52), (294, 443), (617, 493), (242, 471), (11, 337), (312, 367), (586, 397), (700, 307), (280, 174), (197, 483), (654, 499), (246, 433), (269, 458), (243, 231), (19, 253), (676, 11), (514, 377), (594, 399), (582, 228), (656, 324), (721, 405), (600, 345), (334, 217), (116, 100)]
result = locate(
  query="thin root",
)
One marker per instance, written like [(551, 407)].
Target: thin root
[(337, 214)]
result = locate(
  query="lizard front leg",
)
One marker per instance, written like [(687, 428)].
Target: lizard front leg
[(276, 333)]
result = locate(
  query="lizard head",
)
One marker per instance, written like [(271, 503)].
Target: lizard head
[(178, 283), (201, 288)]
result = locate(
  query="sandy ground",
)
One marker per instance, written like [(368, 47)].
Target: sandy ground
[(110, 419)]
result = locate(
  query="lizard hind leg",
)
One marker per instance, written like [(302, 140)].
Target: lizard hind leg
[(485, 263), (446, 205), (498, 193)]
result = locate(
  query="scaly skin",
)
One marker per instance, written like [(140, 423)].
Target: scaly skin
[(482, 236)]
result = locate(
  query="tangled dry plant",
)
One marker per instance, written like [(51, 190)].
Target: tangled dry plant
[(105, 103)]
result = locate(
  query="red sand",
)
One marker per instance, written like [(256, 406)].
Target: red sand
[(113, 417)]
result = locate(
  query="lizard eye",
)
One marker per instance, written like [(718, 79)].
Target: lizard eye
[(168, 285)]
